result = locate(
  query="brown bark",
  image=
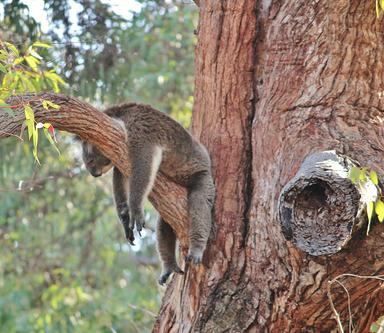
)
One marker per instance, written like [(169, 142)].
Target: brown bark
[(83, 119), (275, 82)]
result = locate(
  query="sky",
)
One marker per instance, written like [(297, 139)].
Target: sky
[(120, 7)]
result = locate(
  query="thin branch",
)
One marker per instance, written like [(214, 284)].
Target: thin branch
[(11, 134), (148, 312), (349, 304), (337, 316), (329, 294), (38, 183)]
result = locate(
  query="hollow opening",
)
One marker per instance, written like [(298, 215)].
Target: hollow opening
[(313, 196)]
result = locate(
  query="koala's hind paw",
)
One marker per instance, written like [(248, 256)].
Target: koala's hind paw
[(129, 235), (196, 257), (137, 219), (164, 277)]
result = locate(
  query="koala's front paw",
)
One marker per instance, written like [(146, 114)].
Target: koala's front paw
[(123, 213), (136, 219), (195, 256), (164, 277)]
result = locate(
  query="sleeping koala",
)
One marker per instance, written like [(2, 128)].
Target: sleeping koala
[(157, 142)]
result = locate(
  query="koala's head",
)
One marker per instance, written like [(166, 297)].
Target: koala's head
[(95, 162)]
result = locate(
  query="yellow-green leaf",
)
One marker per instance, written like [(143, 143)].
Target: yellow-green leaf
[(35, 142), (29, 114), (32, 52), (379, 209), (12, 48), (354, 174), (54, 77), (32, 62), (3, 69), (3, 55), (49, 137), (28, 84), (18, 60), (377, 8), (51, 104), (373, 177), (30, 126), (45, 104), (40, 44), (362, 175)]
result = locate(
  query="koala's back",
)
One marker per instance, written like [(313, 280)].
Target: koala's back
[(183, 155)]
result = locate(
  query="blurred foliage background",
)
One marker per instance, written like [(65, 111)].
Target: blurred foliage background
[(64, 264)]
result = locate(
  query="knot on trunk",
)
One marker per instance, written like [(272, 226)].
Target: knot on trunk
[(320, 208)]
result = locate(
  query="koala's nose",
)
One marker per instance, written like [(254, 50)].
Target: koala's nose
[(96, 173)]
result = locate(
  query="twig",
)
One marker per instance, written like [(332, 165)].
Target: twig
[(337, 315), (10, 134), (148, 312), (349, 305)]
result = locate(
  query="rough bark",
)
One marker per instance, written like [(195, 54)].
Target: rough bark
[(275, 82), (83, 119)]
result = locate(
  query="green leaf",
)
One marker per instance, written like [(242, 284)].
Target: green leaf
[(54, 77), (47, 104), (49, 137), (377, 325), (32, 62), (362, 175), (354, 174), (373, 177), (3, 69), (382, 4), (379, 209), (40, 44), (35, 138), (3, 55), (369, 214), (29, 85), (377, 9), (29, 114), (18, 61), (29, 120), (31, 127), (12, 48)]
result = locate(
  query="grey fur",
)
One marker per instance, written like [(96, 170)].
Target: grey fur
[(157, 142)]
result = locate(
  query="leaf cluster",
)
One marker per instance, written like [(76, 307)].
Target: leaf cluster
[(362, 177), (21, 73)]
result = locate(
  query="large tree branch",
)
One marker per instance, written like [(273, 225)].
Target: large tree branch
[(108, 136)]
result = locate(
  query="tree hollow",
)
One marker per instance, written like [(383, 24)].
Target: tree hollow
[(320, 208)]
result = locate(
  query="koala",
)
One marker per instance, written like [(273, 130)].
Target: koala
[(156, 143)]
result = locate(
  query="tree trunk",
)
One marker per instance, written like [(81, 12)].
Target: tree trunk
[(277, 81)]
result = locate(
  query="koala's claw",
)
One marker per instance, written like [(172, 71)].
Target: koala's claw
[(136, 219), (195, 258), (129, 235), (164, 277)]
